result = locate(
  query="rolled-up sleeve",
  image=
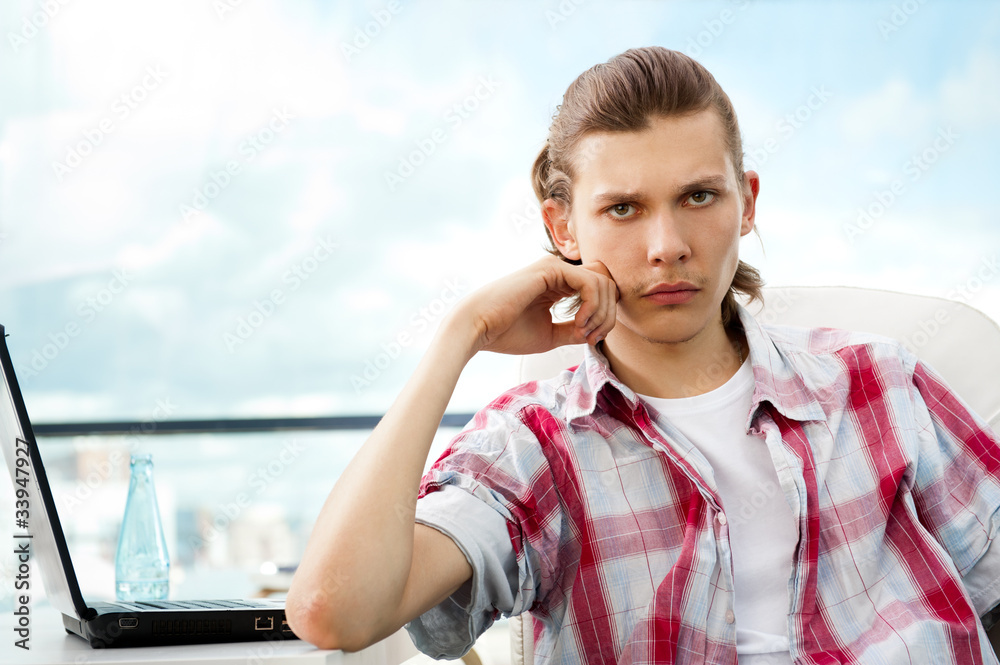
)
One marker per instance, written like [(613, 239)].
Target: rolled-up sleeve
[(957, 486), (493, 492), (451, 628)]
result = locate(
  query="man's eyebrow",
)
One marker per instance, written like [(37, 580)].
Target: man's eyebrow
[(698, 184), (618, 197), (706, 182)]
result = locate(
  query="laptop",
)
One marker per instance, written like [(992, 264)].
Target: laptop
[(39, 537)]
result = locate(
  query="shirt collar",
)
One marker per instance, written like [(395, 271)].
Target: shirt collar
[(775, 380), (593, 376)]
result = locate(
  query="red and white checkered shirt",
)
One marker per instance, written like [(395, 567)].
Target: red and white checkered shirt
[(577, 503)]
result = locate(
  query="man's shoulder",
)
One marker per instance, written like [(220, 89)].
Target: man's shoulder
[(833, 349), (510, 429), (829, 341), (552, 394)]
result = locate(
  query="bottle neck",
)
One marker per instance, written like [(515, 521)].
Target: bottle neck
[(142, 470)]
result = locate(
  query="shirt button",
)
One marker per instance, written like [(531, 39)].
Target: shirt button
[(730, 617), (721, 517)]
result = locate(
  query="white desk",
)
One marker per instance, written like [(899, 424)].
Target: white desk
[(50, 644)]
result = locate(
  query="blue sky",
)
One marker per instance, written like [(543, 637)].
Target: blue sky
[(256, 116)]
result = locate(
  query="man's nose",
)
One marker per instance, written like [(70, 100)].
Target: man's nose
[(667, 242)]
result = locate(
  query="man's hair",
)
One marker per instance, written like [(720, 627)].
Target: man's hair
[(622, 95)]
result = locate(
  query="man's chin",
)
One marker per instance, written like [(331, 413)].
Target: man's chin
[(667, 333)]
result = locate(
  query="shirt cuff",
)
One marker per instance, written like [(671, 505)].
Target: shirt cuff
[(451, 628)]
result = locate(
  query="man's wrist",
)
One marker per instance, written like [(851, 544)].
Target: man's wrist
[(460, 335)]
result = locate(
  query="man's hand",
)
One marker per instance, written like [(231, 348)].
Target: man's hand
[(513, 315)]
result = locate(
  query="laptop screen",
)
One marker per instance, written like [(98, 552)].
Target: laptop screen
[(37, 529)]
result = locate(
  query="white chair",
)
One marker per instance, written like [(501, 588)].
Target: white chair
[(958, 341)]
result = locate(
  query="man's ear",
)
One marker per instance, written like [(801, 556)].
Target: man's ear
[(751, 187), (556, 216)]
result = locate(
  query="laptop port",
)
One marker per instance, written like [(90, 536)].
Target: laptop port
[(263, 623), (285, 628), (131, 622)]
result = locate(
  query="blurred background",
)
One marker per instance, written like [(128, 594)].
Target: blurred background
[(245, 208)]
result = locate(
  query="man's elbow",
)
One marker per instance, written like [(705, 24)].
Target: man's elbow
[(315, 619)]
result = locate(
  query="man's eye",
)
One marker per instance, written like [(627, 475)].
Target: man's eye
[(621, 210), (701, 198)]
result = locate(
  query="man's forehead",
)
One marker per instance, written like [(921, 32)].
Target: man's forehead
[(671, 151)]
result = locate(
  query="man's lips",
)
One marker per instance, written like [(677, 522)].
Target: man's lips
[(671, 294)]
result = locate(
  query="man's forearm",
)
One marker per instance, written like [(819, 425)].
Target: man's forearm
[(359, 577), (359, 556)]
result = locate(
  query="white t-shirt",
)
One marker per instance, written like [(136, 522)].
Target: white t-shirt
[(762, 531)]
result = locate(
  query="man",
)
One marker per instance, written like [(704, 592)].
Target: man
[(604, 501)]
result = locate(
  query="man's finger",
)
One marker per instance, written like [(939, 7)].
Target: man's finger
[(598, 299), (566, 332), (599, 268)]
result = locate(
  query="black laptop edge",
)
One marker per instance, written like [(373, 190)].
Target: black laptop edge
[(128, 624)]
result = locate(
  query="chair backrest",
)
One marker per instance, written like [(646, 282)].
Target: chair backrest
[(958, 341)]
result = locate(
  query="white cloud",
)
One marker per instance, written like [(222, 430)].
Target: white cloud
[(895, 109), (972, 96), (969, 97), (361, 300), (69, 406), (163, 248), (320, 198)]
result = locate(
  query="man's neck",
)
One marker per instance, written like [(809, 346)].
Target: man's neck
[(675, 369)]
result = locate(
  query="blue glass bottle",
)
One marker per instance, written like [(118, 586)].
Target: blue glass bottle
[(142, 565)]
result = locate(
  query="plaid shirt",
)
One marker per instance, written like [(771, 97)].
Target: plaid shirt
[(576, 502)]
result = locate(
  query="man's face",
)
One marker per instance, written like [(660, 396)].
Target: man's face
[(662, 209)]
